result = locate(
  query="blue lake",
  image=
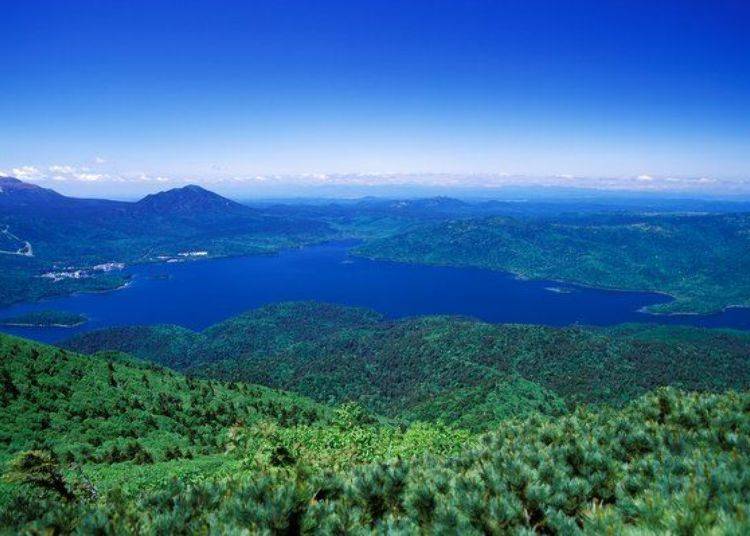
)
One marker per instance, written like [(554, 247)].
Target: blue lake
[(200, 293)]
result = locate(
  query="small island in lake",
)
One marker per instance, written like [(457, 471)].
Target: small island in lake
[(45, 319)]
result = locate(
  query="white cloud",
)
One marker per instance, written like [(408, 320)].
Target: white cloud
[(27, 173), (61, 169), (64, 172), (644, 177), (88, 177), (99, 160)]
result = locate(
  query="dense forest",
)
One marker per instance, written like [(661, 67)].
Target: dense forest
[(632, 251), (111, 444), (439, 369)]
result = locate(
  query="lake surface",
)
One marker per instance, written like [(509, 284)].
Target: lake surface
[(196, 294)]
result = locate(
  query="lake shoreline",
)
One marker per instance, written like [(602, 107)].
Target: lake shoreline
[(40, 326), (199, 294), (646, 309), (53, 296)]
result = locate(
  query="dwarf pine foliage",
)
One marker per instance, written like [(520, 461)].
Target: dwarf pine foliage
[(670, 462)]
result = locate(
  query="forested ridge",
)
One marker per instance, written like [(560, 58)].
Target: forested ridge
[(701, 260), (76, 430), (440, 369)]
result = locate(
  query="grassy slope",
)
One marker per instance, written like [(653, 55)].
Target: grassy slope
[(461, 371), (169, 454), (702, 261)]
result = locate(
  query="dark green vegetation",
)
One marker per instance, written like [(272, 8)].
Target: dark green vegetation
[(459, 371), (169, 346), (106, 444), (45, 319), (703, 261)]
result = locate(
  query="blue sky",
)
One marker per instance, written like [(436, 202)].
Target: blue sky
[(277, 96)]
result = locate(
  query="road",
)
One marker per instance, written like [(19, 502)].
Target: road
[(24, 251)]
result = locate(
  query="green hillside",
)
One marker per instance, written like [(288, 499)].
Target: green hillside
[(169, 346), (80, 431), (703, 261), (459, 371), (670, 462), (111, 407)]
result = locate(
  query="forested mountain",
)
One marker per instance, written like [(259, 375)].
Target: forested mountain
[(188, 200), (93, 445), (703, 261), (18, 194), (459, 371)]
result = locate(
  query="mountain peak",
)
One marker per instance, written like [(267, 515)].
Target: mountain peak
[(190, 198), (16, 193), (12, 183)]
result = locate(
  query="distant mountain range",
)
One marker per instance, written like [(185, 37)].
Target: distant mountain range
[(69, 235), (16, 194)]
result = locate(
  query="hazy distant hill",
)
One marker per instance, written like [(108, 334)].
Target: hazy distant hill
[(30, 199), (19, 195), (188, 201)]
